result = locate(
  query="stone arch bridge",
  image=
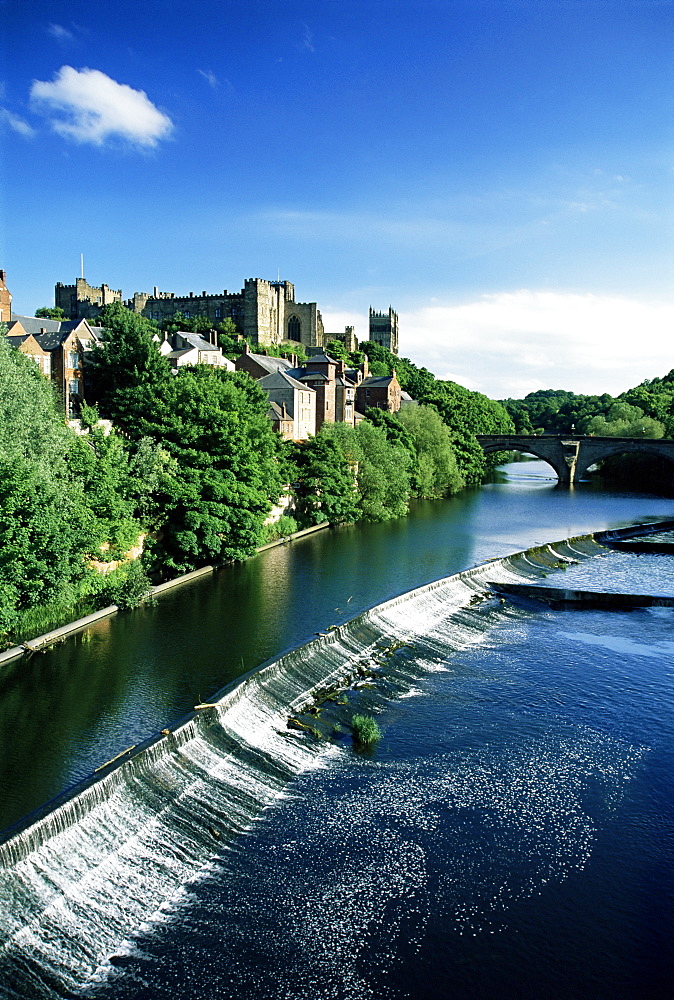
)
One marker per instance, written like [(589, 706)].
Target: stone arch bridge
[(571, 455)]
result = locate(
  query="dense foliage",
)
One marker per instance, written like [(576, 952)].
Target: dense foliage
[(645, 411), (464, 412), (65, 503), (224, 465)]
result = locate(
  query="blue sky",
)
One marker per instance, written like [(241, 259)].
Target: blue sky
[(500, 171)]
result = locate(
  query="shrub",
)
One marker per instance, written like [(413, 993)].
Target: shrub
[(285, 526), (365, 730)]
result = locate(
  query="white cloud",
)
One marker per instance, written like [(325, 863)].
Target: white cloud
[(209, 76), (96, 108), (509, 344), (16, 124), (60, 33)]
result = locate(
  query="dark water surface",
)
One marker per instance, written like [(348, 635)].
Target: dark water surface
[(509, 837), (65, 712)]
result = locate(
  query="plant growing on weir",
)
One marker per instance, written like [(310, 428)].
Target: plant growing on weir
[(365, 730)]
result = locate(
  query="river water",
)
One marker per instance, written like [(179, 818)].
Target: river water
[(509, 836)]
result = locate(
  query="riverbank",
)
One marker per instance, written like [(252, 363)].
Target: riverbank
[(41, 642)]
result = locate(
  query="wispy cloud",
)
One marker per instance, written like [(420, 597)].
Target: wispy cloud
[(89, 107), (61, 34), (17, 124), (209, 76), (308, 39)]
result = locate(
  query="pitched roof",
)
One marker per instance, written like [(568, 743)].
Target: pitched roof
[(322, 359), (376, 380), (276, 412), (35, 324), (18, 340), (271, 365), (179, 353), (51, 341), (42, 327), (281, 380), (196, 340)]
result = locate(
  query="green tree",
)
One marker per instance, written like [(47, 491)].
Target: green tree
[(467, 414), (382, 468), (50, 312), (125, 362), (437, 473), (224, 469), (414, 380), (624, 420), (324, 484), (336, 349)]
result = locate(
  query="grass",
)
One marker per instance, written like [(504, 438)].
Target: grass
[(365, 730)]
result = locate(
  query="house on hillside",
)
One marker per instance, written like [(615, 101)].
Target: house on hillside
[(260, 365), (60, 349), (332, 385), (380, 391), (296, 401), (184, 348)]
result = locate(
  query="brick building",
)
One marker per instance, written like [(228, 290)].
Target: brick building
[(5, 299), (59, 348), (382, 392)]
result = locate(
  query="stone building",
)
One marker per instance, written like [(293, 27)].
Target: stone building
[(5, 299), (382, 392), (260, 365), (82, 300), (295, 401), (348, 338), (59, 348), (384, 329), (264, 311), (333, 387)]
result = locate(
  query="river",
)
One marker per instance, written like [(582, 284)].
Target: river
[(508, 837)]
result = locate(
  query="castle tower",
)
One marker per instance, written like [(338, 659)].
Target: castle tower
[(82, 300), (5, 300), (384, 329)]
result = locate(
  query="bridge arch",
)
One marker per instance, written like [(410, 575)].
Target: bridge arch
[(549, 449), (596, 450), (571, 457)]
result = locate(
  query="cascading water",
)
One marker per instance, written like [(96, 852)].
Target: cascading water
[(79, 880)]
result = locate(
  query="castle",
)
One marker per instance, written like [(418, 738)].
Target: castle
[(265, 312)]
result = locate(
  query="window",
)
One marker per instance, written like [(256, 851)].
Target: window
[(294, 328), (73, 359), (218, 313), (74, 387), (46, 365)]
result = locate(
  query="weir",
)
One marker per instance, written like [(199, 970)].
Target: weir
[(81, 875)]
